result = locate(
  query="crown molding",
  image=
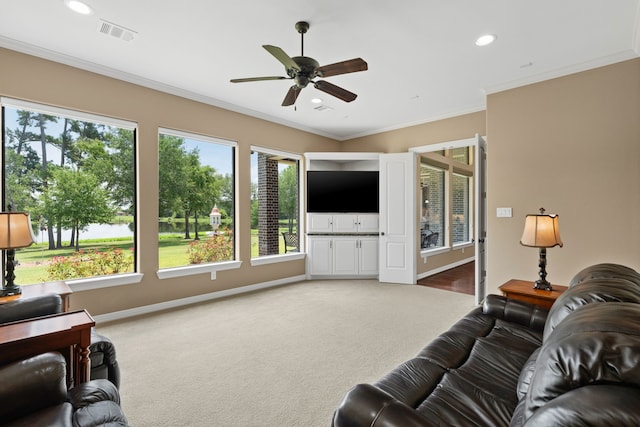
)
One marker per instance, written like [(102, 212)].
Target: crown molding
[(564, 71), (72, 61)]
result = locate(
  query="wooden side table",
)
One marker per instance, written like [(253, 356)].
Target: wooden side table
[(61, 288), (523, 290), (69, 333)]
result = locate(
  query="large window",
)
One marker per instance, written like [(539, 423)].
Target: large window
[(196, 200), (446, 205), (274, 202), (432, 203), (74, 173), (460, 208)]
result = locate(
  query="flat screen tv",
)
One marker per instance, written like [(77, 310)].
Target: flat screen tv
[(342, 191)]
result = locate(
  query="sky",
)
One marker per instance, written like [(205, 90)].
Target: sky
[(218, 156)]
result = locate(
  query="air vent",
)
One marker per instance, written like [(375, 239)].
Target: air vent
[(322, 108), (117, 31)]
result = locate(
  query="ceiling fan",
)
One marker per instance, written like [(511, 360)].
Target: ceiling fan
[(303, 69)]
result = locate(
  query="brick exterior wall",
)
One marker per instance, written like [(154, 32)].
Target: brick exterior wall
[(268, 234)]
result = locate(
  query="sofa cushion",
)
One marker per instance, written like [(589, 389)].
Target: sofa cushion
[(606, 271), (469, 373), (32, 384), (597, 344), (524, 380), (588, 292)]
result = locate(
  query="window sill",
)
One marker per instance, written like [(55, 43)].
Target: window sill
[(463, 245), (435, 251), (272, 259), (190, 270), (80, 285)]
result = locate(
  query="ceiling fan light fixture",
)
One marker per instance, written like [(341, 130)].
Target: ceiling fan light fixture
[(78, 7), (486, 39), (316, 100)]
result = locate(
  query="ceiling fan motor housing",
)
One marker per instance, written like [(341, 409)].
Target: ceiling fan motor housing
[(308, 67)]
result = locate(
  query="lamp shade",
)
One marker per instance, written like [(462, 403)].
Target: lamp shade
[(15, 230), (541, 231)]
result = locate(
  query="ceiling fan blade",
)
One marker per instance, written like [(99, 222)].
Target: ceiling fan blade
[(257, 79), (291, 96), (344, 67), (281, 56), (334, 90)]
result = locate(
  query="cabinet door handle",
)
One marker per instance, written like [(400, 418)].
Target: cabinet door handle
[(382, 233)]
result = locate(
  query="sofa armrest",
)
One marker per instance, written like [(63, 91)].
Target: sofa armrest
[(28, 308), (515, 311), (594, 405), (32, 384), (103, 359), (367, 405), (93, 391)]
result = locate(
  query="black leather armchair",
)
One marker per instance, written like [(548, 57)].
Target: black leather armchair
[(102, 351), (34, 392)]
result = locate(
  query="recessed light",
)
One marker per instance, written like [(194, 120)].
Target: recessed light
[(486, 39), (317, 100), (78, 7)]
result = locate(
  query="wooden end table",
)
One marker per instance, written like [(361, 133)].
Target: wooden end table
[(29, 291), (68, 333), (523, 290)]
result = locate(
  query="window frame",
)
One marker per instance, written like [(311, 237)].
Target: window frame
[(96, 282), (289, 256), (212, 267), (470, 208), (430, 164)]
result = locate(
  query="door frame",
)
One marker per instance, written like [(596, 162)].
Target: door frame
[(479, 226)]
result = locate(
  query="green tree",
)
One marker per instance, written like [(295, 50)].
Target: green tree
[(203, 191), (288, 195), (172, 170), (76, 199)]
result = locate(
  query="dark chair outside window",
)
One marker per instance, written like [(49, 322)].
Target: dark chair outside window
[(290, 242), (430, 240)]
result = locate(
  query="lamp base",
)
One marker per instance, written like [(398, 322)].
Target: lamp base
[(542, 284), (11, 291)]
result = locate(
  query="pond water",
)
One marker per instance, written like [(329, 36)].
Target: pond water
[(101, 231), (94, 231)]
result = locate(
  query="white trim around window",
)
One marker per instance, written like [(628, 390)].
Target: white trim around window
[(66, 112)]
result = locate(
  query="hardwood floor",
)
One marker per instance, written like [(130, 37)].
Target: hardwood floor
[(459, 279)]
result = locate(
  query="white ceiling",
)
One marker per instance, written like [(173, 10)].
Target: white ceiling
[(423, 63)]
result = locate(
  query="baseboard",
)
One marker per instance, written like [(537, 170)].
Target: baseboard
[(147, 309), (445, 267)]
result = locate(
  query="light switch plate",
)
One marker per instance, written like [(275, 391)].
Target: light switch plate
[(504, 212)]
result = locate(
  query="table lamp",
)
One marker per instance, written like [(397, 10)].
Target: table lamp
[(541, 231), (15, 232)]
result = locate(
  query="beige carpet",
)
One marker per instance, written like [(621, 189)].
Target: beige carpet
[(279, 357)]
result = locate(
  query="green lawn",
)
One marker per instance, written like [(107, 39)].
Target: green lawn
[(32, 261)]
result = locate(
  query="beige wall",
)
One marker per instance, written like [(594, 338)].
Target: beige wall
[(37, 80), (572, 146)]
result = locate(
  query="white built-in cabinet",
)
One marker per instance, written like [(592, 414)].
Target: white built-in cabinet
[(343, 256), (342, 245), (342, 223)]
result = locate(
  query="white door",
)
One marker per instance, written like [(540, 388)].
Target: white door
[(480, 176), (398, 218)]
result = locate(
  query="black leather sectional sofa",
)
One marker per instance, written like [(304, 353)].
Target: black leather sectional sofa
[(510, 363), (34, 392)]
